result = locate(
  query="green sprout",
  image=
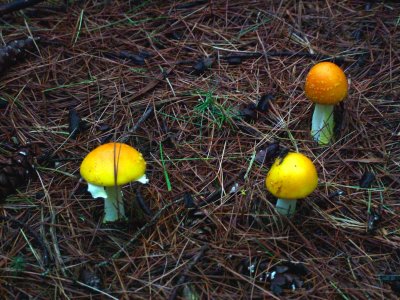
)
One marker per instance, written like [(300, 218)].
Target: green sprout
[(208, 105), (18, 264)]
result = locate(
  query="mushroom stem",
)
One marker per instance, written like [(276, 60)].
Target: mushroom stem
[(286, 207), (322, 124), (113, 205)]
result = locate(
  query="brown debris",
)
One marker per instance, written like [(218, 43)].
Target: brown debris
[(15, 170)]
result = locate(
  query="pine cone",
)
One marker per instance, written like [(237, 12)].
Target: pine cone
[(15, 170), (14, 51)]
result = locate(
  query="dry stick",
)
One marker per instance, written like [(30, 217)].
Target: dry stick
[(189, 267), (17, 5), (258, 54), (249, 55), (141, 203), (150, 109), (246, 55), (152, 84), (147, 113)]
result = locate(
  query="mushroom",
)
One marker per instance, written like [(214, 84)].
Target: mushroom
[(326, 85), (106, 169), (291, 177)]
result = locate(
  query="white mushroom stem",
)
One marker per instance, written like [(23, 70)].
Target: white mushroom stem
[(322, 124), (113, 204), (286, 207)]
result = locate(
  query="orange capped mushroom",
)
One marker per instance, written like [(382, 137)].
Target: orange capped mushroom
[(326, 85)]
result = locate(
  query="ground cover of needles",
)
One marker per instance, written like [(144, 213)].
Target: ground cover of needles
[(205, 90)]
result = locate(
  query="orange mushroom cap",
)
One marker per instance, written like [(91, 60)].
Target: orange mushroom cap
[(326, 83), (113, 163)]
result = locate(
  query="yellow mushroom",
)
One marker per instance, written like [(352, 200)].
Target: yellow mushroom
[(291, 177), (106, 169)]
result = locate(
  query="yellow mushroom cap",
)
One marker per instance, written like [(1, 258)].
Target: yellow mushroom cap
[(326, 83), (292, 177), (101, 165)]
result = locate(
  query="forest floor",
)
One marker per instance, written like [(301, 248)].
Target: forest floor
[(205, 90)]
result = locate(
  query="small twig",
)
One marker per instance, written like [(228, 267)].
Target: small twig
[(141, 203), (17, 5), (240, 56), (149, 110), (189, 267), (147, 113), (152, 84), (258, 54)]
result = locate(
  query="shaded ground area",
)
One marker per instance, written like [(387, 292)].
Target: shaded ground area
[(181, 82)]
